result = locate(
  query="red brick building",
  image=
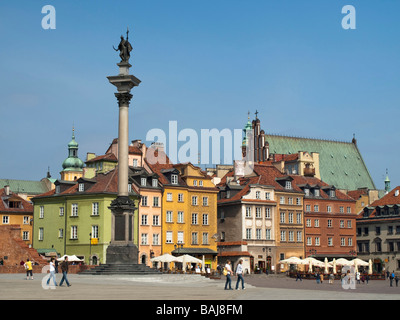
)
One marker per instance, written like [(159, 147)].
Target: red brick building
[(329, 219)]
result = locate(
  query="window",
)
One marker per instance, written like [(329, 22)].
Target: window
[(25, 220), (180, 197), (6, 219), (155, 202), (174, 179), (129, 187), (81, 187), (205, 237), (298, 201), (200, 183), (299, 236), (328, 208), (194, 201), (316, 223), (156, 220), (308, 223), (40, 234), (258, 195), (144, 201), (317, 243), (205, 219), (180, 237), (268, 234), (168, 238), (308, 208), (291, 236), (180, 216), (248, 212), (267, 196), (169, 216), (74, 232), (95, 231), (154, 182), (41, 212), (258, 234), (282, 217), (195, 238), (316, 208), (329, 223), (349, 241), (330, 241), (309, 241), (258, 212), (298, 218), (267, 213), (290, 200), (95, 209), (348, 223), (283, 235), (348, 209), (144, 239), (342, 242), (341, 209), (307, 192), (341, 223), (332, 193), (144, 219), (288, 185), (195, 183), (156, 239), (135, 162), (205, 201), (143, 182), (74, 210), (169, 196), (282, 200), (316, 192), (61, 233), (194, 218), (248, 233), (290, 217)]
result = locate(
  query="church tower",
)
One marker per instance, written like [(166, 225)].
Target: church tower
[(254, 141), (72, 166), (387, 183)]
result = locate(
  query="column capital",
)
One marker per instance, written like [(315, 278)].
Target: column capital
[(124, 98)]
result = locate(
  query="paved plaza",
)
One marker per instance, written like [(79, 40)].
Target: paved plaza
[(187, 287)]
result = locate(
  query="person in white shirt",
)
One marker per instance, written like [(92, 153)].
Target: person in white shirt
[(52, 272), (228, 275), (239, 273)]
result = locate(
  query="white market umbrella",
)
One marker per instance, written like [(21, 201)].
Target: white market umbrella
[(203, 263), (370, 266), (292, 260), (72, 258), (187, 259), (359, 262), (343, 262), (326, 265), (334, 265)]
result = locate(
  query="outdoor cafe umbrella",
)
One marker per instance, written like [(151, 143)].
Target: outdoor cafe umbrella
[(326, 265), (165, 258), (343, 262), (72, 258), (185, 259), (334, 265), (370, 266), (292, 260)]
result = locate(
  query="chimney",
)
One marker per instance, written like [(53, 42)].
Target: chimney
[(7, 190)]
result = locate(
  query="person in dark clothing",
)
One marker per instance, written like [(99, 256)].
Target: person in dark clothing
[(64, 269)]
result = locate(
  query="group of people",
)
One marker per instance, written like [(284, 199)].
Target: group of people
[(228, 273), (53, 269), (64, 270)]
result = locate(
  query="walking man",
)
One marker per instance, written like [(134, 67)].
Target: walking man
[(64, 269), (52, 272), (239, 273)]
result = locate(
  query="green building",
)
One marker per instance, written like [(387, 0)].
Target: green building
[(75, 218)]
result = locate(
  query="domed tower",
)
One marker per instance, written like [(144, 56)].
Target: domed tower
[(72, 166)]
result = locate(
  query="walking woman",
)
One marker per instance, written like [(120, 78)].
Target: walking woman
[(239, 273), (228, 275), (52, 272)]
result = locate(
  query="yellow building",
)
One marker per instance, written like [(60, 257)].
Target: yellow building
[(189, 212), (14, 210)]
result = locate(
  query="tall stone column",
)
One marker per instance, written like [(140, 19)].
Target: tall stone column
[(122, 249)]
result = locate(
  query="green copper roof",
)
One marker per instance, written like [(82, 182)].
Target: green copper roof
[(340, 163), (24, 186)]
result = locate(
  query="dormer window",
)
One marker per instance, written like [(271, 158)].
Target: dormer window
[(316, 192), (58, 189), (143, 182), (174, 179), (288, 185), (154, 183), (307, 191), (129, 187), (195, 183), (81, 187), (332, 193)]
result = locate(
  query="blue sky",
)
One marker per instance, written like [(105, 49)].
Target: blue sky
[(204, 64)]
